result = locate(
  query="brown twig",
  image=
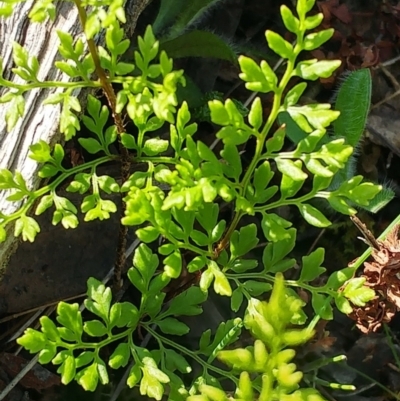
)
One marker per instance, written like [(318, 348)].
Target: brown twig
[(139, 6)]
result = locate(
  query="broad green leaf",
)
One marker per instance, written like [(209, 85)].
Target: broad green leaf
[(275, 143), (173, 264), (233, 167), (124, 314), (49, 328), (47, 354), (185, 220), (256, 114), (135, 375), (243, 241), (275, 252), (316, 167), (40, 152), (322, 306), (67, 368), (147, 234), (339, 204), (84, 358), (33, 340), (294, 94), (303, 7), (128, 141), (262, 176), (219, 114), (218, 231), (274, 227), (297, 124), (173, 326), (316, 39), (343, 304), (187, 303), (155, 146), (99, 298), (338, 278), (15, 110), (313, 21), (291, 169), (311, 266), (313, 216), (221, 283), (358, 293), (233, 136), (120, 357), (243, 265), (255, 78), (154, 303), (70, 317), (176, 361), (108, 184), (279, 45), (310, 141), (289, 187), (292, 23), (88, 377), (159, 282), (145, 264), (236, 299), (91, 145), (199, 238), (256, 288), (95, 328), (45, 202), (312, 69), (152, 380), (363, 193), (197, 263)]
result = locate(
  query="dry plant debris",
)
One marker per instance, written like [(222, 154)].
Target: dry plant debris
[(382, 274)]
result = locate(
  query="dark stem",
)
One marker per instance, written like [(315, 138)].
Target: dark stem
[(125, 157)]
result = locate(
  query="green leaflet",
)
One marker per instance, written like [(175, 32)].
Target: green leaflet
[(192, 251)]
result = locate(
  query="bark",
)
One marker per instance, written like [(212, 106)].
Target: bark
[(38, 122)]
